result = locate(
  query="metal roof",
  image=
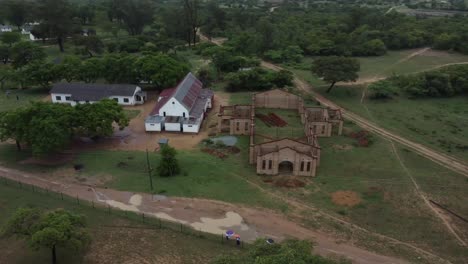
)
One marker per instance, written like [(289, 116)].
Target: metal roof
[(199, 106), (188, 90), (93, 92)]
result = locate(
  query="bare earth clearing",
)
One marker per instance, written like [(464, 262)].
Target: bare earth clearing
[(134, 137)]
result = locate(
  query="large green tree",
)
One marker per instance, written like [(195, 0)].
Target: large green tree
[(56, 17), (91, 45), (161, 70), (69, 68), (25, 52), (91, 70), (48, 127), (51, 230), (5, 74), (119, 68), (10, 38), (41, 73), (17, 11), (335, 69), (96, 120), (134, 14), (5, 52)]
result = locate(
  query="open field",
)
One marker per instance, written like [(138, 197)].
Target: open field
[(440, 123), (203, 175), (370, 187), (394, 62), (112, 241), (373, 180)]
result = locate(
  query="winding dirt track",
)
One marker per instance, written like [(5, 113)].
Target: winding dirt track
[(187, 210), (445, 160)]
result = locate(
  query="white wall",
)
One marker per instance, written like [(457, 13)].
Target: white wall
[(62, 98), (172, 126), (191, 128), (131, 100), (173, 108), (208, 104), (153, 126)]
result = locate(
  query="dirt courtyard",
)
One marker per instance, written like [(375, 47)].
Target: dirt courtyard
[(134, 137)]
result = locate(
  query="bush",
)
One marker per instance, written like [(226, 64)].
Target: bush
[(168, 165), (382, 90), (257, 79), (220, 144), (131, 45)]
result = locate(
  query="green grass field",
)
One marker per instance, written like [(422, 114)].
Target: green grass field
[(387, 202), (440, 123), (201, 175), (112, 242), (394, 62)]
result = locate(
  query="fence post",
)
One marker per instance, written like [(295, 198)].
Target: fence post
[(108, 209), (143, 216), (181, 228), (61, 195), (77, 200), (92, 202), (159, 223), (21, 186)]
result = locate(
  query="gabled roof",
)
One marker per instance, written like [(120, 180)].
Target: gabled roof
[(188, 90), (93, 92), (164, 96), (261, 154)]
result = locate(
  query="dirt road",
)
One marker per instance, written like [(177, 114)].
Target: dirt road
[(443, 159), (206, 215)]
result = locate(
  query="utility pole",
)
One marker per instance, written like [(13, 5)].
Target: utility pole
[(149, 169)]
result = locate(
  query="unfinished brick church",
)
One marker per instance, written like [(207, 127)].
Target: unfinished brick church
[(296, 156)]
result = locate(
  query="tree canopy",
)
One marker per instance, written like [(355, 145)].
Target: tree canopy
[(168, 164), (56, 20), (25, 52), (335, 69), (51, 230), (48, 127)]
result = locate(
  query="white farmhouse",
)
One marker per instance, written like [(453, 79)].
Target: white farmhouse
[(182, 108), (6, 28), (80, 93)]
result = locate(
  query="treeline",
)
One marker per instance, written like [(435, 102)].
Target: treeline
[(48, 127), (342, 31), (445, 82), (30, 68), (242, 73)]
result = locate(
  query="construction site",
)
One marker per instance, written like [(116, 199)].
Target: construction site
[(285, 143)]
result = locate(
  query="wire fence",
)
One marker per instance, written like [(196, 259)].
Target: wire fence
[(150, 221)]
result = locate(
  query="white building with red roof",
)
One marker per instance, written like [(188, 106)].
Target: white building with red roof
[(182, 108)]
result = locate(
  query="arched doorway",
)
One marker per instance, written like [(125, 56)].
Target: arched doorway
[(286, 168)]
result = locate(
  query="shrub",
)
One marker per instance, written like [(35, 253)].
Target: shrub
[(382, 90)]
